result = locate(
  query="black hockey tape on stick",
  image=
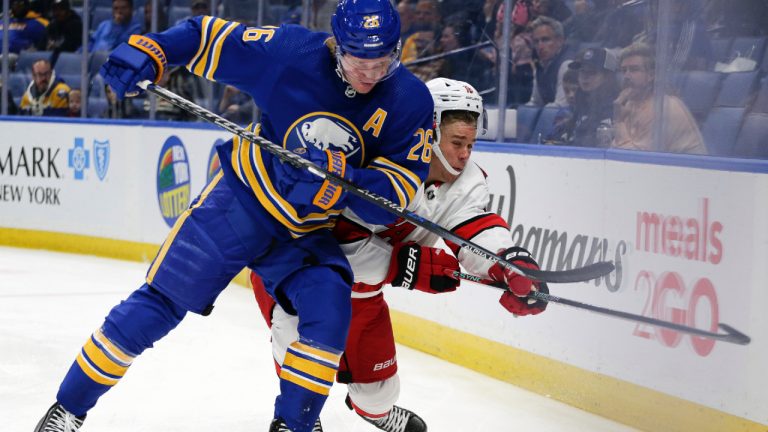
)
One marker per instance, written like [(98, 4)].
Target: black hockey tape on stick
[(582, 274), (731, 335)]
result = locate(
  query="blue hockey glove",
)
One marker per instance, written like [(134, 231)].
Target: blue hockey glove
[(139, 59), (299, 186)]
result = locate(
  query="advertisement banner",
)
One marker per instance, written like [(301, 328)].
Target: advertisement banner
[(688, 245)]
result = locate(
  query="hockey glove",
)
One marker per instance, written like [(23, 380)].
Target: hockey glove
[(423, 268), (139, 59), (515, 299), (299, 186)]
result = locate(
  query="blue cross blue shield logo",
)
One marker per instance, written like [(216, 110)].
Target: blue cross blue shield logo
[(101, 158), (77, 158)]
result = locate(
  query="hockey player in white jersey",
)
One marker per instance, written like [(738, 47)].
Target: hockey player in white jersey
[(455, 195)]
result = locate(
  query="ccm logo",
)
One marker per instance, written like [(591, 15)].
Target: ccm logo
[(410, 267), (384, 365)]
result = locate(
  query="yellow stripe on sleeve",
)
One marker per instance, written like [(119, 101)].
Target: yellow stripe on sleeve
[(403, 200), (206, 21), (113, 349), (303, 382), (316, 352), (216, 51), (199, 68), (409, 189), (315, 369), (102, 361), (94, 374), (399, 168), (250, 156)]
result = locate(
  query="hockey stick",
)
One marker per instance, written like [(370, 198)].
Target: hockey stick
[(586, 273), (731, 334)]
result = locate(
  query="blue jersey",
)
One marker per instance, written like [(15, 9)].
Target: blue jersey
[(290, 72)]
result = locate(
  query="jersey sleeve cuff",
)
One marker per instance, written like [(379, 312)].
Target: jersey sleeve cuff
[(153, 50)]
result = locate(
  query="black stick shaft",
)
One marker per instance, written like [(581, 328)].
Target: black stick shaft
[(586, 273), (731, 334)]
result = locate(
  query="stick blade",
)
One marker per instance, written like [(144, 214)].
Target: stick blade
[(582, 274), (734, 336)]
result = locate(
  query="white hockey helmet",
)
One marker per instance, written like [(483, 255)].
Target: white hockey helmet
[(453, 95)]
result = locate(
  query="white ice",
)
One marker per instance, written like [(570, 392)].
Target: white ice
[(212, 373)]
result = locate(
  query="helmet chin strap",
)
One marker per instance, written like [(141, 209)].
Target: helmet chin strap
[(439, 153), (350, 92)]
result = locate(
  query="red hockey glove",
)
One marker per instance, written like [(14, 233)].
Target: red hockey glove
[(519, 286), (522, 306), (423, 268)]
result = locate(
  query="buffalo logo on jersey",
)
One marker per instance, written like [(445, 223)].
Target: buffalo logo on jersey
[(326, 131), (371, 21), (173, 188)]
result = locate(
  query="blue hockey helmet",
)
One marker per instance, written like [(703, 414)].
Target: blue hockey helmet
[(367, 28)]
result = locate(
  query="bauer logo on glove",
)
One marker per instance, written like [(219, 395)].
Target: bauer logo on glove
[(423, 268)]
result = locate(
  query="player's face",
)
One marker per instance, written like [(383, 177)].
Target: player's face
[(456, 142), (363, 74)]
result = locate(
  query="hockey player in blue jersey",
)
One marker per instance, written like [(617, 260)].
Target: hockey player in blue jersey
[(342, 101)]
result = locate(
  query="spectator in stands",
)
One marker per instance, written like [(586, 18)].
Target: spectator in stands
[(728, 18), (427, 15), (119, 109), (582, 25), (74, 100), (46, 95), (488, 18), (551, 63), (634, 110), (162, 17), (563, 123), (688, 45), (109, 34), (26, 28), (468, 66), (175, 80), (424, 40), (12, 108), (236, 106), (199, 7), (520, 74), (65, 33), (555, 9), (619, 22), (407, 13), (598, 88)]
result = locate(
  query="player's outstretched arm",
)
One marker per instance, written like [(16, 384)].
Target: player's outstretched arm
[(207, 46)]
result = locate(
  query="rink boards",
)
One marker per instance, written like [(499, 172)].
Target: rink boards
[(688, 235)]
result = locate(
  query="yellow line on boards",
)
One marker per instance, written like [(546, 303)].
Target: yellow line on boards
[(621, 401), (88, 245)]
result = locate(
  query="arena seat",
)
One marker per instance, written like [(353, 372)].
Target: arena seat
[(720, 129), (699, 91), (526, 122), (752, 141), (737, 89)]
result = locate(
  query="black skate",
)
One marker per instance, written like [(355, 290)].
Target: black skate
[(279, 426), (57, 419), (398, 420)]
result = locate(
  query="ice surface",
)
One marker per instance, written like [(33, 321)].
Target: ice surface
[(212, 373)]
